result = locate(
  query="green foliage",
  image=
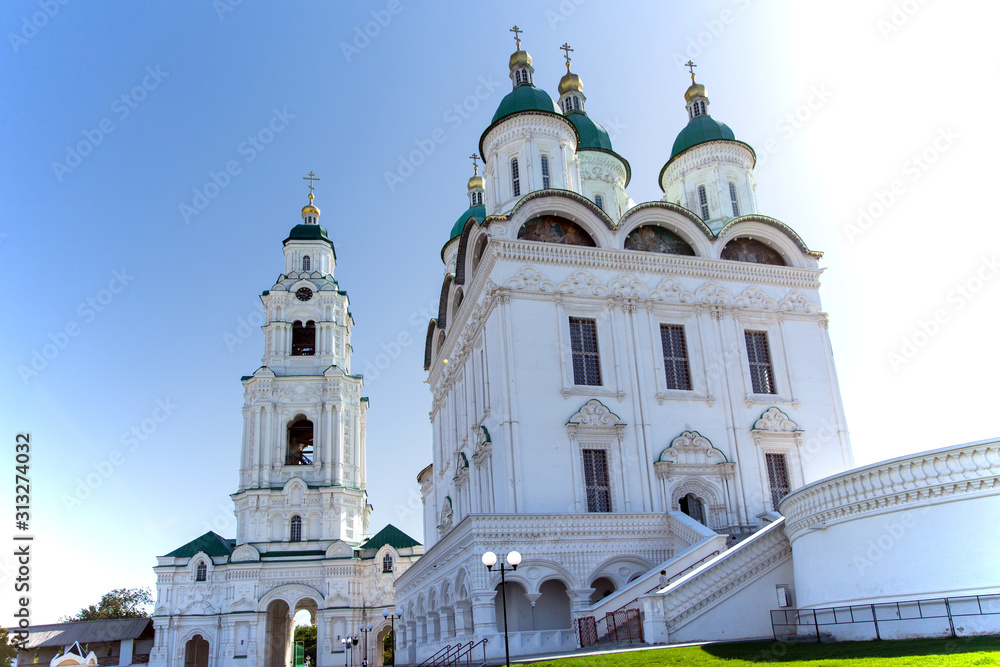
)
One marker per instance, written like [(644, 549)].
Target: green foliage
[(119, 603), (388, 657), (7, 649), (965, 652), (307, 635)]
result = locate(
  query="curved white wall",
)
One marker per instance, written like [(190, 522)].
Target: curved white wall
[(921, 526)]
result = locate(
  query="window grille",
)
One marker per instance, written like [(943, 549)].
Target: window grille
[(595, 476), (732, 198), (599, 200), (703, 201), (515, 176), (545, 172), (759, 357), (387, 563), (295, 532), (201, 573), (576, 103), (586, 358), (675, 356), (777, 477), (306, 263)]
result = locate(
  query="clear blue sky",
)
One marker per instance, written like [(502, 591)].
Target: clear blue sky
[(161, 95)]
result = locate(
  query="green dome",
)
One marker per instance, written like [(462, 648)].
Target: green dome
[(698, 131), (524, 98), (478, 212), (308, 233), (591, 134)]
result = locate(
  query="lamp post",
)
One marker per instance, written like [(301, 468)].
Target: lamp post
[(365, 630), (348, 642), (513, 559), (344, 641), (392, 619)]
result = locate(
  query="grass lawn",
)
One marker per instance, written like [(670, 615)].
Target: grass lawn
[(917, 652)]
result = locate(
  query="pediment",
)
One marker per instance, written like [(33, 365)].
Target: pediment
[(691, 448), (775, 421), (340, 549), (245, 553), (594, 414)]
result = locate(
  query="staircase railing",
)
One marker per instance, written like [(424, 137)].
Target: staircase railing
[(466, 653), (439, 655)]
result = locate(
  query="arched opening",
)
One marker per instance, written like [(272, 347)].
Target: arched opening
[(303, 339), (551, 610), (603, 587), (277, 647), (305, 629), (553, 229), (387, 563), (752, 250), (300, 443), (295, 529), (459, 296), (384, 640), (519, 610), (653, 238), (306, 263), (477, 255), (196, 652), (693, 506), (201, 572)]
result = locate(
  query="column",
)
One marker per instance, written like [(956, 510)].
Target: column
[(484, 613), (125, 653)]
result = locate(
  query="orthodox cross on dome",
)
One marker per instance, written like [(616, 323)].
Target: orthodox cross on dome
[(475, 164), (311, 177), (517, 36), (690, 65), (566, 49)]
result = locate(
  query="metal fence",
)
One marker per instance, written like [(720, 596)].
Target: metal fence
[(881, 620)]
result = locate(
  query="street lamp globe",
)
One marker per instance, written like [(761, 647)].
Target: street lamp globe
[(399, 612), (514, 559), (489, 559), (385, 613)]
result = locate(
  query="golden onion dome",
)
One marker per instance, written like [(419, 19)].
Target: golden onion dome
[(696, 90), (309, 208), (570, 82), (520, 57), (477, 182)]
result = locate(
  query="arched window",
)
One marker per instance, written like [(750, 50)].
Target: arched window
[(300, 443), (306, 263), (599, 200), (387, 563), (201, 572), (545, 172), (576, 103), (732, 198), (515, 178), (303, 339), (477, 198), (703, 202), (752, 250), (295, 529)]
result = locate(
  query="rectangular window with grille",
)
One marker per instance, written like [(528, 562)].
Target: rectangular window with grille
[(759, 356), (733, 199), (545, 172), (586, 359), (675, 356), (515, 177), (595, 479), (777, 477)]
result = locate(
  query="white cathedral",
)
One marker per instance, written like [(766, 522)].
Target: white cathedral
[(640, 399)]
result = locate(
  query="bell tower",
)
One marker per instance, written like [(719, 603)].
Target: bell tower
[(302, 465)]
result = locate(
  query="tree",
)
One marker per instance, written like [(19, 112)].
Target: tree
[(8, 651), (119, 603), (307, 635)]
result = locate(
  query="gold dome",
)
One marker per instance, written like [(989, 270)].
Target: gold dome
[(477, 182), (309, 208), (520, 57), (696, 90), (570, 82)]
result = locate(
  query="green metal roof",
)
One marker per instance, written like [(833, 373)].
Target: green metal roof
[(524, 98), (591, 134), (473, 212), (211, 543), (698, 131), (309, 233), (392, 536)]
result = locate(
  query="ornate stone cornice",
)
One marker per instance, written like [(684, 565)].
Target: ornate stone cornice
[(912, 481)]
